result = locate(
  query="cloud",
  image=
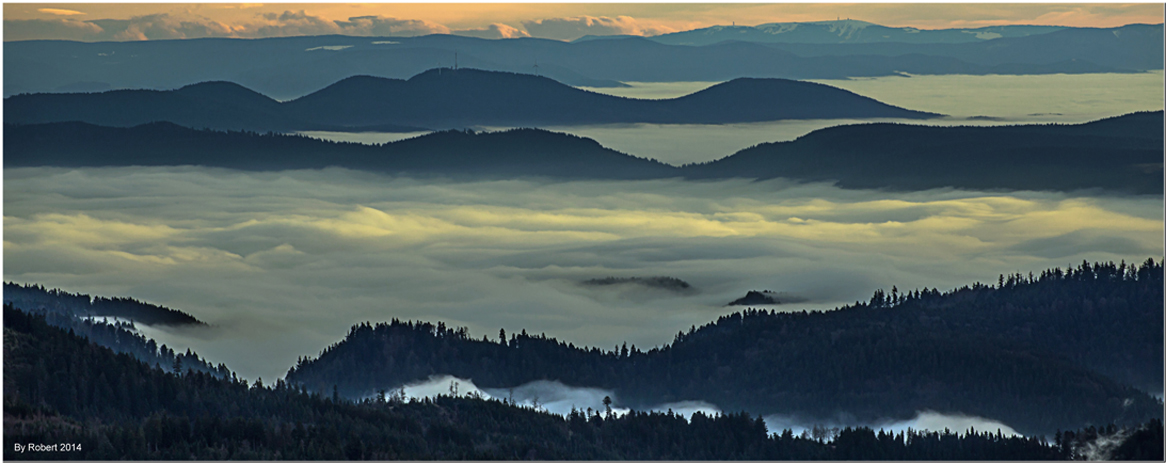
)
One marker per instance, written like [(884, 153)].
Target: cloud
[(50, 29), (579, 26), (149, 27), (922, 421), (59, 11), (282, 263), (288, 23), (386, 26), (493, 31), (167, 26)]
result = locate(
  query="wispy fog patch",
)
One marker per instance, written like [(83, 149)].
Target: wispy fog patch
[(688, 407), (440, 385), (367, 138), (923, 421), (551, 396), (329, 47), (1102, 448), (556, 397), (282, 263)]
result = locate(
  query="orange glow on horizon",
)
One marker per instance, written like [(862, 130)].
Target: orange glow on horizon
[(523, 19)]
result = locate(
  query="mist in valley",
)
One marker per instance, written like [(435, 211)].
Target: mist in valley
[(282, 264), (560, 399)]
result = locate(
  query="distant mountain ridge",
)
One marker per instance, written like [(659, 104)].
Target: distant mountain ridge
[(1134, 47), (290, 67), (845, 31), (446, 98), (1120, 154)]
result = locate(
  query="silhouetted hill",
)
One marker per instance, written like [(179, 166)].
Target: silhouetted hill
[(765, 298), (1036, 353), (512, 153), (446, 98), (1121, 154), (290, 67), (219, 105), (665, 283)]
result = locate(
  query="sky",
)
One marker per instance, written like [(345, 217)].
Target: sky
[(562, 21)]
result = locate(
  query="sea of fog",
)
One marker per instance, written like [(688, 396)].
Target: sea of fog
[(282, 263), (968, 100)]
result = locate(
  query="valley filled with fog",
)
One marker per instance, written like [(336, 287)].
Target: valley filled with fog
[(281, 264)]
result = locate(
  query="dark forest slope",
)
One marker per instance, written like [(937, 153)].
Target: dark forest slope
[(1035, 353), (60, 389), (34, 297)]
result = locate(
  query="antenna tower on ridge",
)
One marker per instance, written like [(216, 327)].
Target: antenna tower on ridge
[(536, 66)]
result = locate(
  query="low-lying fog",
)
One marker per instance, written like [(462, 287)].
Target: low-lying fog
[(561, 399), (968, 100), (282, 263)]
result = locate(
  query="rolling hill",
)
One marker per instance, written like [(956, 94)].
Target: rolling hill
[(1121, 154), (445, 98)]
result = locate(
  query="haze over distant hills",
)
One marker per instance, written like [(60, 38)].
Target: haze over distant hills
[(290, 67), (845, 31), (1121, 154), (446, 98)]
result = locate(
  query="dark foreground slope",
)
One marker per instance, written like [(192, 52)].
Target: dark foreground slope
[(1038, 354), (34, 297), (111, 406), (1122, 154), (84, 315), (445, 98)]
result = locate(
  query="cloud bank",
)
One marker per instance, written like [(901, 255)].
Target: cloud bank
[(186, 25), (163, 26), (282, 263), (579, 26)]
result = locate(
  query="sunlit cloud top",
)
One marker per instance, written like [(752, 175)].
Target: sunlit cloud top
[(140, 21)]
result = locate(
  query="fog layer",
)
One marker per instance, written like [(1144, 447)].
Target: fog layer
[(561, 399), (282, 263)]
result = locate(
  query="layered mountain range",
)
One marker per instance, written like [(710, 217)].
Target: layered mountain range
[(291, 67), (1121, 154), (446, 98)]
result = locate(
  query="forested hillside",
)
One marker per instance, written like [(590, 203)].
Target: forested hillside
[(110, 322), (1059, 350), (54, 381)]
